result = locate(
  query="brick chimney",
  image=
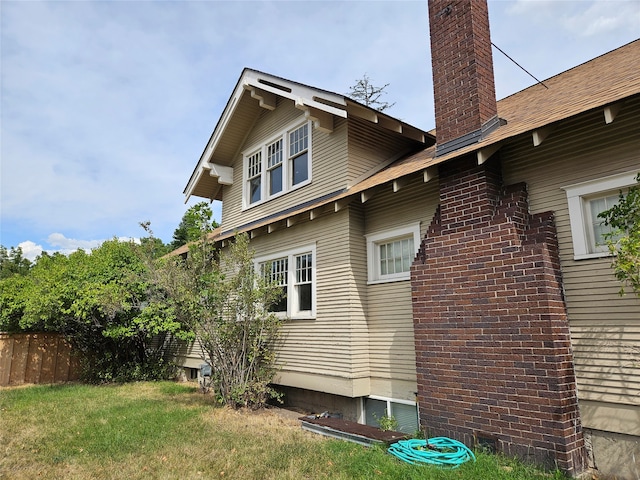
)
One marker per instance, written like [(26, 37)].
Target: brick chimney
[(463, 83), (493, 350)]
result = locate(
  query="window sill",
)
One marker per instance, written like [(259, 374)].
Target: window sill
[(589, 256), (388, 280), (300, 318), (275, 196)]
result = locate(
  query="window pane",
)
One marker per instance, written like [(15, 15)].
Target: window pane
[(281, 304), (277, 274), (255, 165), (304, 297), (374, 410), (254, 190), (300, 167), (299, 140), (299, 154), (383, 259), (304, 269), (407, 254), (275, 180), (599, 229), (396, 256), (274, 153), (406, 416)]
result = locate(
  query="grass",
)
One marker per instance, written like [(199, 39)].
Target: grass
[(169, 431)]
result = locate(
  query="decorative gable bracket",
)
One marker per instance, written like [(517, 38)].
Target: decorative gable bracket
[(322, 120), (223, 174), (267, 99)]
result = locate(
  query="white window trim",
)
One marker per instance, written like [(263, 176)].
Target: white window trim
[(392, 400), (373, 261), (287, 185), (576, 196), (291, 280)]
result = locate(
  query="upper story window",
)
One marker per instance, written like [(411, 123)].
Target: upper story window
[(294, 272), (391, 253), (586, 200), (280, 165)]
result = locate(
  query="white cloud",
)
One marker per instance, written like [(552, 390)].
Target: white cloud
[(72, 244), (30, 250), (604, 17), (59, 243)]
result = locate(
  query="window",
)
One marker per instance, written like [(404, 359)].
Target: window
[(255, 177), (391, 253), (403, 411), (280, 165), (277, 274), (596, 228), (586, 200), (299, 154), (294, 272), (274, 160)]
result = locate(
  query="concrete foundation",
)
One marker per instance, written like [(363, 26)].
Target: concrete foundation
[(616, 456)]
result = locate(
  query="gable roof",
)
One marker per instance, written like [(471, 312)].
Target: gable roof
[(257, 90), (603, 82)]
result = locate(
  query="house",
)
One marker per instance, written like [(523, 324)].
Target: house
[(454, 280)]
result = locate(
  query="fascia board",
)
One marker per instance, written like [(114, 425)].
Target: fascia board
[(300, 94)]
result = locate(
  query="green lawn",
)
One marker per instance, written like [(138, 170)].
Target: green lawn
[(169, 431)]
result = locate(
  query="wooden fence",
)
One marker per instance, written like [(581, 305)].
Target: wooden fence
[(36, 358)]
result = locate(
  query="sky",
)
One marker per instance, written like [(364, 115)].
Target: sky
[(106, 106)]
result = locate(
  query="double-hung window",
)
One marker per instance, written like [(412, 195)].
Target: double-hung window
[(280, 165), (294, 272), (586, 201), (391, 253)]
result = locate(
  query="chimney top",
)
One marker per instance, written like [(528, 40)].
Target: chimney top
[(463, 82)]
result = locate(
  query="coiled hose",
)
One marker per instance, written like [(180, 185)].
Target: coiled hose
[(441, 451)]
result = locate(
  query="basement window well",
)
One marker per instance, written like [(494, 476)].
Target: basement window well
[(404, 412)]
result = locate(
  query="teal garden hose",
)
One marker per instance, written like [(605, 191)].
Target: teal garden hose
[(441, 451)]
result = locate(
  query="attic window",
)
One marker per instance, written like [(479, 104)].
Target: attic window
[(279, 166), (274, 85)]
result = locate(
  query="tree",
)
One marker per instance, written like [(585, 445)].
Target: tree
[(12, 262), (226, 303), (104, 302), (12, 301), (624, 239), (153, 246), (196, 220), (365, 92)]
